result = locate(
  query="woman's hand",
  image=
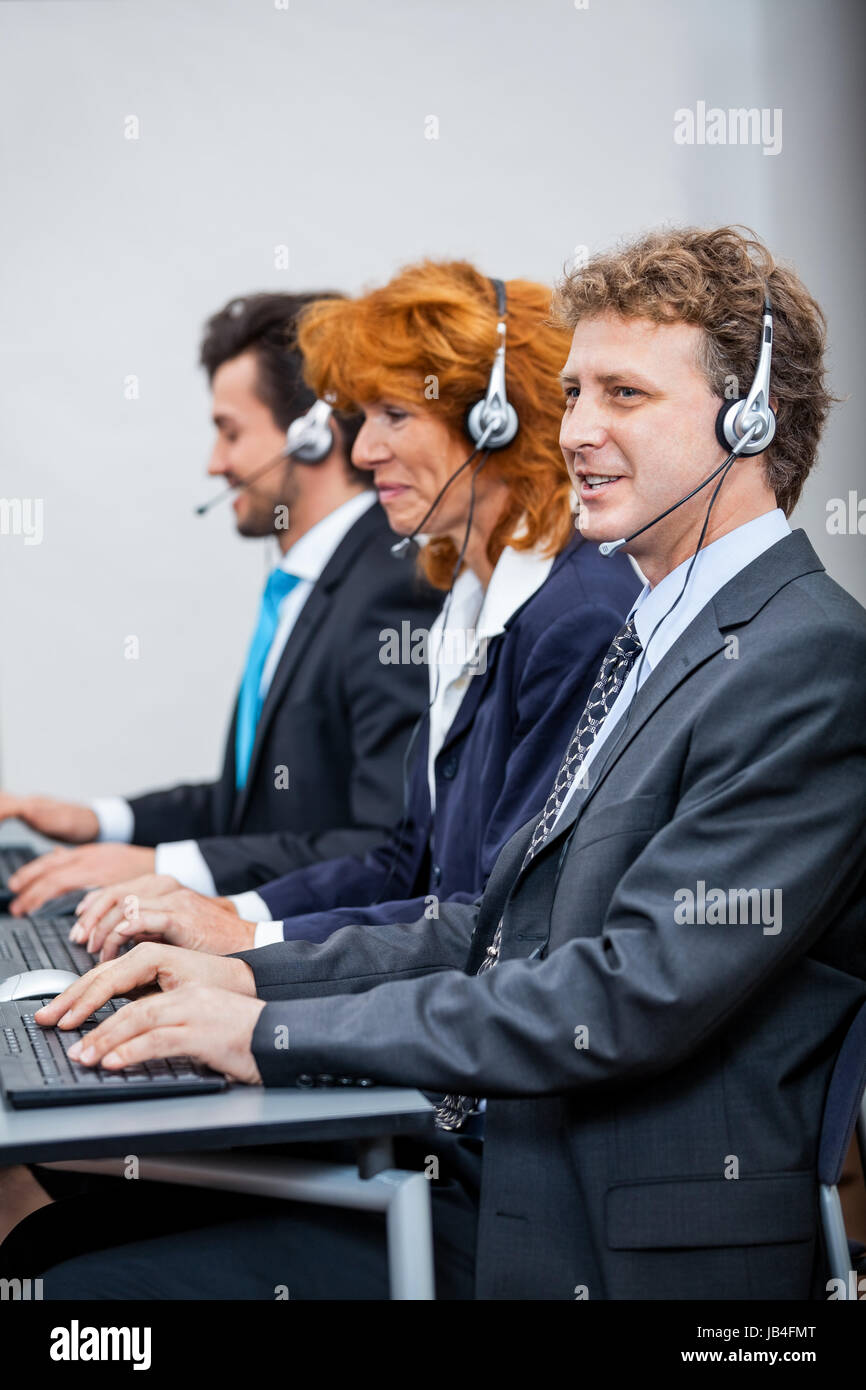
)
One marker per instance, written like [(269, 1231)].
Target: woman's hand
[(179, 918)]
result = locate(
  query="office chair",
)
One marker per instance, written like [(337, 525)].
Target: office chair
[(844, 1109)]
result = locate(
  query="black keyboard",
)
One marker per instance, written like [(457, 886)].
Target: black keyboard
[(40, 945), (11, 859), (35, 1070)]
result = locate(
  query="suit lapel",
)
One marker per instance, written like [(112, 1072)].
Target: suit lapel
[(701, 640)]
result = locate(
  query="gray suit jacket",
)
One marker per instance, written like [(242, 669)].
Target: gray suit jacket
[(655, 1084)]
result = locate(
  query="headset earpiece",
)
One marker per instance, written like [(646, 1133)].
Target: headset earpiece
[(728, 432), (736, 417), (492, 423), (310, 438)]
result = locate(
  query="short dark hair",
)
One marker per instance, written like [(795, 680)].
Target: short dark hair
[(266, 325)]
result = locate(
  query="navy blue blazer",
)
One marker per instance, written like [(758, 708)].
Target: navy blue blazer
[(496, 765)]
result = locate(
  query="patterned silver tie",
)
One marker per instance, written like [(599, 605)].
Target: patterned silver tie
[(451, 1112)]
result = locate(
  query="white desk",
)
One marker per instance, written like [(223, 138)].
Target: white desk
[(186, 1134)]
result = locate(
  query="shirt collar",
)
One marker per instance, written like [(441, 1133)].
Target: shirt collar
[(310, 554), (715, 566), (517, 575)]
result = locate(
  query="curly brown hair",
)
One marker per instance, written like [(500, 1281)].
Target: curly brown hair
[(717, 280), (437, 320)]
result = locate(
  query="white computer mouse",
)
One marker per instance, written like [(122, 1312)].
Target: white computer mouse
[(36, 984)]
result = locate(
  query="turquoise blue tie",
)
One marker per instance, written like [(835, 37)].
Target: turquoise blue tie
[(249, 702)]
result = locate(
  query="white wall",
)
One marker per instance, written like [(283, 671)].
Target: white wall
[(261, 126)]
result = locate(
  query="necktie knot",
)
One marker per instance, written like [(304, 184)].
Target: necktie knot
[(627, 644), (280, 583)]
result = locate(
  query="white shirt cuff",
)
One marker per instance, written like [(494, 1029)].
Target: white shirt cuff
[(267, 933), (116, 819), (184, 861), (249, 907)]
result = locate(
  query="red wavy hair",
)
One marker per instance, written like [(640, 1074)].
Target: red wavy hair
[(426, 340)]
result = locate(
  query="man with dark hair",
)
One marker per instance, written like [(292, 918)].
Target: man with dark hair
[(313, 761)]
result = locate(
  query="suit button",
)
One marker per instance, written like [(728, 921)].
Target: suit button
[(436, 875), (365, 1081), (304, 1080), (449, 767), (324, 1079), (345, 1080)]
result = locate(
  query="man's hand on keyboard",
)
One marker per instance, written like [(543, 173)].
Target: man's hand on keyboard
[(167, 968), (62, 870), (59, 820), (180, 918), (210, 1025)]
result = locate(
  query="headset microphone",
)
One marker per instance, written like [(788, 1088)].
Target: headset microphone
[(491, 423), (242, 487), (611, 547), (309, 439), (746, 426)]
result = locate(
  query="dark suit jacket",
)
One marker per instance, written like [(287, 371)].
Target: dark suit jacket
[(335, 717), (495, 767), (606, 1152)]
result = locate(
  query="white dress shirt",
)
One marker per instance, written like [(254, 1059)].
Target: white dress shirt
[(474, 617), (715, 566), (455, 653), (306, 559)]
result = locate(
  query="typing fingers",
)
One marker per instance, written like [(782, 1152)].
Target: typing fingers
[(103, 982), (98, 911), (158, 1016)]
